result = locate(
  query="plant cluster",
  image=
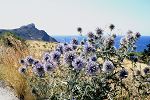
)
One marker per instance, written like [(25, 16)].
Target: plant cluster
[(90, 70)]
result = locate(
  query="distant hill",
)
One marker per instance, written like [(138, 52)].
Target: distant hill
[(30, 32)]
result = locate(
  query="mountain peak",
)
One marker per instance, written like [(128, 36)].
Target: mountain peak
[(32, 25), (30, 32)]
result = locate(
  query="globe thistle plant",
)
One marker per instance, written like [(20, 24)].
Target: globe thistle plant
[(69, 57), (74, 41), (46, 56), (123, 74), (78, 63), (49, 66), (29, 60), (55, 56), (38, 69), (22, 70), (92, 67), (108, 67)]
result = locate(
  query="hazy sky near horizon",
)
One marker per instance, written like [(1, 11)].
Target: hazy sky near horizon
[(62, 17)]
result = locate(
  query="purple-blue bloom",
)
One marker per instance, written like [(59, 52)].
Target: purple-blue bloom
[(38, 69), (74, 41), (92, 67), (108, 66), (29, 60), (123, 73), (22, 70), (69, 57), (46, 56), (55, 55), (49, 66), (78, 63)]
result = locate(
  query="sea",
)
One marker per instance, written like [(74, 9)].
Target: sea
[(141, 43)]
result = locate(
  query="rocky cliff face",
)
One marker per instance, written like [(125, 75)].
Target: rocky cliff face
[(30, 32)]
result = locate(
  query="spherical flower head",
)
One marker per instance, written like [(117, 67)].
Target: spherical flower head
[(29, 60), (137, 34), (108, 66), (92, 67), (49, 66), (82, 42), (93, 58), (112, 26), (22, 61), (123, 74), (22, 70), (91, 35), (78, 63), (46, 56), (38, 69), (99, 32), (69, 57), (74, 41), (146, 70), (88, 49), (68, 48), (79, 29), (55, 55)]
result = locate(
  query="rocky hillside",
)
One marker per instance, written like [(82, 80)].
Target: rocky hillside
[(30, 32)]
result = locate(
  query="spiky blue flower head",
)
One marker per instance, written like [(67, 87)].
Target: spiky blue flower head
[(88, 48), (123, 74), (82, 42), (78, 63), (74, 47), (137, 34), (29, 60), (46, 56), (91, 35), (74, 41), (93, 58), (49, 66), (60, 48), (99, 31), (22, 70), (108, 66), (38, 69), (55, 55), (68, 48), (146, 70), (92, 67), (69, 57), (22, 61)]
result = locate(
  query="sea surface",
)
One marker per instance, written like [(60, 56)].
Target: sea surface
[(141, 44)]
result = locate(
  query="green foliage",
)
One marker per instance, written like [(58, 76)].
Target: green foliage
[(7, 34)]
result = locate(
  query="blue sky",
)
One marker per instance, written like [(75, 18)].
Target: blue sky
[(62, 17)]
